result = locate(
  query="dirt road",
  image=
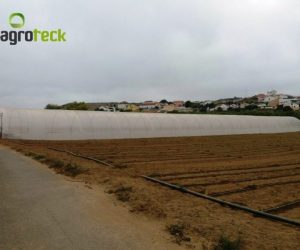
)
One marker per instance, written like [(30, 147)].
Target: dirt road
[(42, 210)]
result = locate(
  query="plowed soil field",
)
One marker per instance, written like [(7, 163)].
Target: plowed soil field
[(259, 171)]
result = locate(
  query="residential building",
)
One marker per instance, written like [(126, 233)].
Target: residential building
[(285, 101), (178, 103), (261, 97), (273, 103), (168, 108), (149, 105), (295, 106), (122, 106), (270, 98), (133, 107), (222, 107), (106, 109)]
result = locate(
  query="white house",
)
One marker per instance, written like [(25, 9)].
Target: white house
[(295, 106), (223, 107), (106, 109), (122, 106), (285, 101)]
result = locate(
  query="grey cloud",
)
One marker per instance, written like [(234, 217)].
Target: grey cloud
[(136, 50)]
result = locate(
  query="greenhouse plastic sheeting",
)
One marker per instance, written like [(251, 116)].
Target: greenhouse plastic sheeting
[(83, 125)]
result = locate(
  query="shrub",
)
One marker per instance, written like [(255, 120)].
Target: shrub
[(30, 154), (123, 193), (39, 157), (73, 169), (225, 243), (178, 231), (54, 163)]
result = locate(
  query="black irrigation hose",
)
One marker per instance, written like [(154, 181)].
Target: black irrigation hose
[(82, 156), (230, 204)]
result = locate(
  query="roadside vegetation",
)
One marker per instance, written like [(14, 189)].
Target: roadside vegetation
[(178, 230), (69, 169)]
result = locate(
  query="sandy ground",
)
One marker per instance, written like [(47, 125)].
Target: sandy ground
[(267, 165)]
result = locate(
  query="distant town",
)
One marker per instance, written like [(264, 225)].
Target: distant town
[(270, 101)]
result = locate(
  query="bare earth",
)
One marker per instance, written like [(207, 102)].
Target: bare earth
[(260, 171)]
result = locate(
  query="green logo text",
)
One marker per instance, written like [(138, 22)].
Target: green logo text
[(17, 21)]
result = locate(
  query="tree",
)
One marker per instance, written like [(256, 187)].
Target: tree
[(52, 106), (188, 104), (203, 108), (279, 107), (76, 106), (251, 107), (211, 105), (163, 101), (287, 109)]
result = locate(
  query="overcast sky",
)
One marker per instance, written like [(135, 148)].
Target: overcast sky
[(151, 49)]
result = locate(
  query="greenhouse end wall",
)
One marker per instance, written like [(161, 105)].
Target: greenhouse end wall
[(30, 124)]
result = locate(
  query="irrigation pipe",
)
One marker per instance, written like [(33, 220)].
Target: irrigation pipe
[(227, 203), (82, 156)]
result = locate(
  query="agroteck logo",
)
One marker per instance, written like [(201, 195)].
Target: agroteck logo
[(17, 21)]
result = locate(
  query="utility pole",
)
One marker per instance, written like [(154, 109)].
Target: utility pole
[(1, 125)]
